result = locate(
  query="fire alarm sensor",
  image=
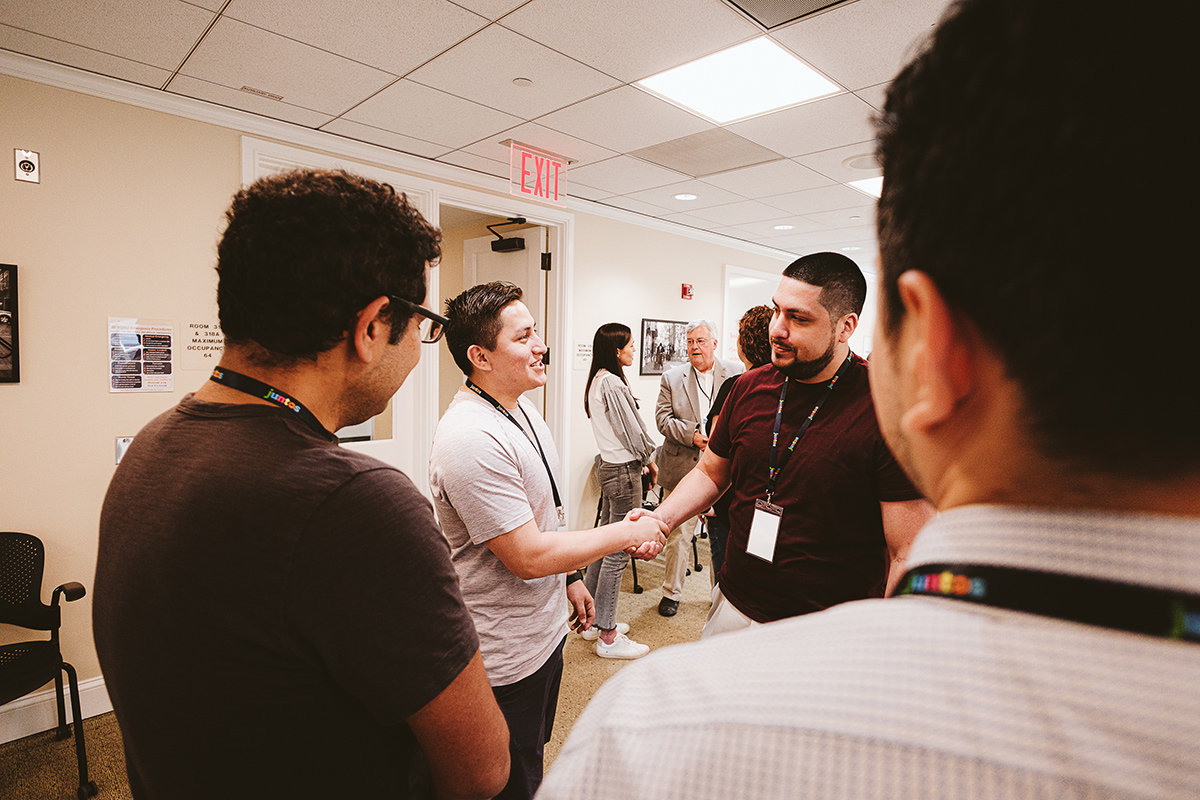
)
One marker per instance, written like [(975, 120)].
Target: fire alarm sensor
[(687, 291)]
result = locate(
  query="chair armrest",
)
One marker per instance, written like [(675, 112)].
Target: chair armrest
[(72, 591)]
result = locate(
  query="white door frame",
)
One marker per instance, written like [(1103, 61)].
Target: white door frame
[(412, 438)]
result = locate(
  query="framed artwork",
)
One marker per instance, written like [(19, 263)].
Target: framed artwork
[(10, 351), (664, 345)]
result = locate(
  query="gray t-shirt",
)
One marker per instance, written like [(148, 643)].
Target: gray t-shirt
[(488, 479)]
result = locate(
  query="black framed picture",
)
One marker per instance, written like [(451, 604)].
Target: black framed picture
[(10, 350), (664, 345)]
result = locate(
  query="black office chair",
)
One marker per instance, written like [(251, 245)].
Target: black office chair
[(27, 666)]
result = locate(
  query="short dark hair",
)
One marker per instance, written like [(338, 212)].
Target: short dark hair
[(754, 334), (1016, 176), (843, 287), (607, 341), (475, 319), (304, 251)]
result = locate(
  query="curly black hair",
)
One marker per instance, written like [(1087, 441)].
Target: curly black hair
[(304, 251)]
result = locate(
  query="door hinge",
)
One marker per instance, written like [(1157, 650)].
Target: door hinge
[(546, 261)]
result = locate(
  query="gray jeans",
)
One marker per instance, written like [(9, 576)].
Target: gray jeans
[(620, 492)]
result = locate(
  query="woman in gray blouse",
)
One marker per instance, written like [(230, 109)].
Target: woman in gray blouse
[(626, 453)]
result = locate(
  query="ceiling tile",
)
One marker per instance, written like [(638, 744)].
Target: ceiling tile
[(846, 217), (394, 141), (541, 138), (630, 204), (235, 54), (832, 163), (764, 180), (155, 32), (766, 228), (692, 221), (624, 174), (492, 9), (834, 239), (395, 37), (625, 119), (811, 127), (632, 39), (812, 201), (706, 196), (430, 115), (833, 42), (224, 96), (72, 55), (875, 95), (211, 5), (738, 213), (477, 163), (577, 189), (483, 68), (707, 153)]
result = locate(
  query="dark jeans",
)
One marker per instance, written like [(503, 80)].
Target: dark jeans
[(718, 534), (528, 706)]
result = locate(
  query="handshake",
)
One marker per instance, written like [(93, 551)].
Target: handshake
[(647, 533)]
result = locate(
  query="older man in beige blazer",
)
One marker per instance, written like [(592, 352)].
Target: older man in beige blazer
[(684, 397)]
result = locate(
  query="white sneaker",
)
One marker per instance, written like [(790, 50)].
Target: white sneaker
[(593, 633), (622, 647)]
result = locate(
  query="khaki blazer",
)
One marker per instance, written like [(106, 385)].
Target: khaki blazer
[(677, 413)]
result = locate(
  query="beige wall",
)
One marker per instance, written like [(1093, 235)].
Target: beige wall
[(125, 223)]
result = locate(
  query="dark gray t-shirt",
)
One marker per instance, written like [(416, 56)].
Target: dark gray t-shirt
[(269, 609)]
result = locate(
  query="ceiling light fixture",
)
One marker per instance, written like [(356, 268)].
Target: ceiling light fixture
[(783, 227), (871, 186), (522, 82), (744, 81), (685, 197)]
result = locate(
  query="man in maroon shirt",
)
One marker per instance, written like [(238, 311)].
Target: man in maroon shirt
[(825, 515)]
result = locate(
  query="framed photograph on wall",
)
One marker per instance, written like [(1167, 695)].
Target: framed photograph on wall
[(10, 351), (664, 345)]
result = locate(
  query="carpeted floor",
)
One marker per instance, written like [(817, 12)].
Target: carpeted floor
[(42, 768)]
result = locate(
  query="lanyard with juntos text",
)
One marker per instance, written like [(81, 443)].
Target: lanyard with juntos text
[(1108, 604), (256, 388), (533, 440), (764, 528)]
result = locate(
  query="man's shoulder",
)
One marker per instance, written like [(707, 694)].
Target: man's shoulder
[(732, 367), (677, 374)]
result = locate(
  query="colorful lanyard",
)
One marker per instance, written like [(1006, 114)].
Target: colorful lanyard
[(256, 388), (533, 440), (775, 467), (1120, 606)]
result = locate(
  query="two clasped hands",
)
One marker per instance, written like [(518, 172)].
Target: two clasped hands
[(649, 533)]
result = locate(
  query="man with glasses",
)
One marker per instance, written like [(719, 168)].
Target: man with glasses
[(495, 477), (287, 609), (684, 397)]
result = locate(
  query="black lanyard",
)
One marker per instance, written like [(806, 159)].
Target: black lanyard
[(775, 466), (1120, 606), (256, 388), (533, 439)]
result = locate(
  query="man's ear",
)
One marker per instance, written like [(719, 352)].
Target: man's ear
[(846, 327), (937, 353), (370, 330), (479, 358)]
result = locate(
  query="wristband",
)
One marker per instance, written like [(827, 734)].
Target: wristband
[(577, 575)]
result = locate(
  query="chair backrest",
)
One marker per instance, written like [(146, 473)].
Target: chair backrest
[(22, 561)]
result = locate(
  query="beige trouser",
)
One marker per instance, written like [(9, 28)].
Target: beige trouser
[(723, 617), (678, 554)]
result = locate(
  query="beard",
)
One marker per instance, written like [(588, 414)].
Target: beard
[(806, 370)]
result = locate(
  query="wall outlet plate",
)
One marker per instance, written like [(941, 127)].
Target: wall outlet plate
[(123, 443), (27, 166)]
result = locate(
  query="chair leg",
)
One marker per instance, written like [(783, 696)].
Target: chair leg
[(696, 556), (87, 788), (63, 731), (637, 587)]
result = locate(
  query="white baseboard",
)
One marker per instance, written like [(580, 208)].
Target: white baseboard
[(38, 712)]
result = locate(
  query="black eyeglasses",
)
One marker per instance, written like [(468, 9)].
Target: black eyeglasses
[(433, 324)]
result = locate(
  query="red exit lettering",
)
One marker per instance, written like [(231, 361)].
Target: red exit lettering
[(537, 175)]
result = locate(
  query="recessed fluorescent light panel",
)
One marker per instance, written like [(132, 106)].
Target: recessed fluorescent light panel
[(744, 81), (872, 186)]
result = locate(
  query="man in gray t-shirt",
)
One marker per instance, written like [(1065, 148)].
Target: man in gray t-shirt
[(494, 476)]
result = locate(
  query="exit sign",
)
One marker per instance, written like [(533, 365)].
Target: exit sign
[(537, 175)]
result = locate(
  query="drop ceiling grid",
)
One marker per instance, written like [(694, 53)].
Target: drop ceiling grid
[(625, 119), (394, 37), (80, 57), (431, 115)]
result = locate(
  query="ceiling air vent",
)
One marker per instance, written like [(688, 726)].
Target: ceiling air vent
[(773, 13)]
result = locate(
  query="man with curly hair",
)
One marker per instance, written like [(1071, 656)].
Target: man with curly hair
[(277, 616)]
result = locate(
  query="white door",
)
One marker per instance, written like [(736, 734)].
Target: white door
[(522, 267)]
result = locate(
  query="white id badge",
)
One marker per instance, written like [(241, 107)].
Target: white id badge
[(764, 530)]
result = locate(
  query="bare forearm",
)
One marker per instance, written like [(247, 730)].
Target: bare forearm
[(695, 493), (531, 553)]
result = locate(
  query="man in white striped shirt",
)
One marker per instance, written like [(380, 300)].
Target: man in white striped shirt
[(1046, 642)]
